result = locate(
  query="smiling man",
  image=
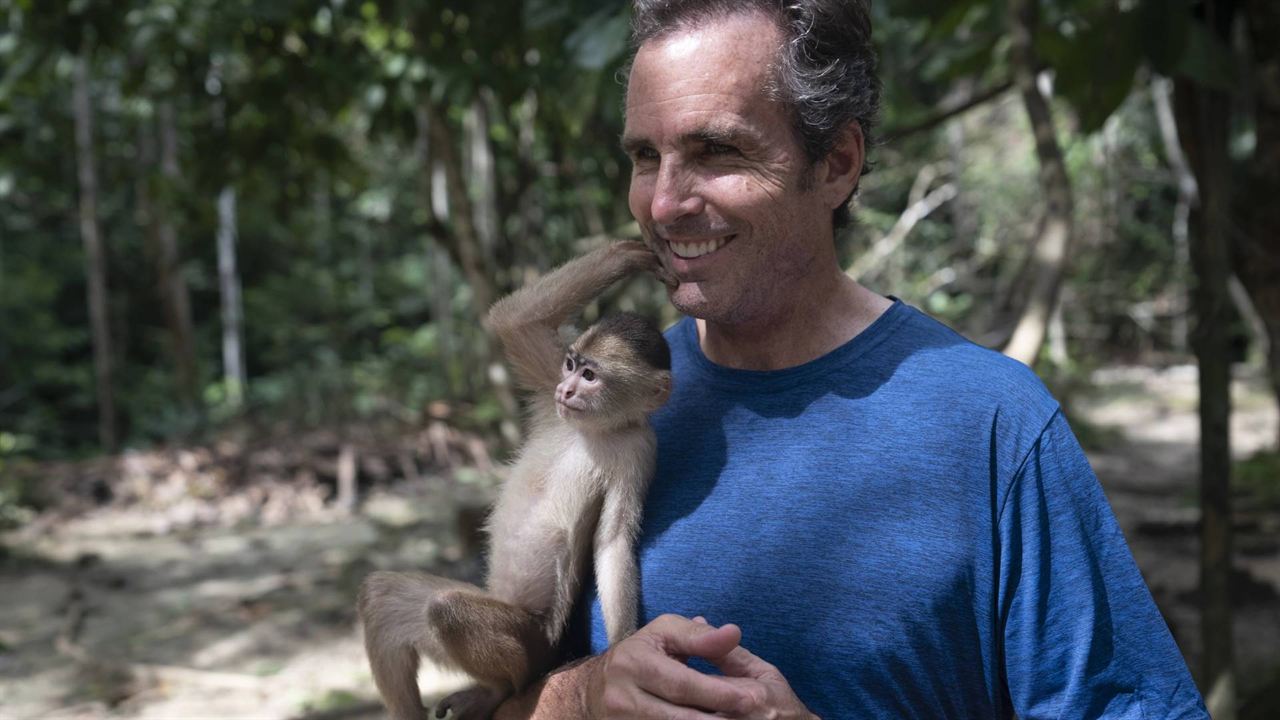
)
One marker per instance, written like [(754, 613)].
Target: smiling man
[(856, 512)]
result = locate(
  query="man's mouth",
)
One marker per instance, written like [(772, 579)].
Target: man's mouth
[(691, 250)]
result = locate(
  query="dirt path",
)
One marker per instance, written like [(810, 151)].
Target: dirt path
[(256, 622), (1150, 472)]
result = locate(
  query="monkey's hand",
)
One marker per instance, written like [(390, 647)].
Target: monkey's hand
[(663, 270), (636, 255)]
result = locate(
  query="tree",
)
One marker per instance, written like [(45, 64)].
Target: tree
[(1054, 241), (95, 262)]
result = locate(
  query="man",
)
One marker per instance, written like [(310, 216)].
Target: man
[(856, 512)]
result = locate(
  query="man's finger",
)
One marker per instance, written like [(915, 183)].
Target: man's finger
[(713, 642), (676, 684), (680, 636), (741, 662)]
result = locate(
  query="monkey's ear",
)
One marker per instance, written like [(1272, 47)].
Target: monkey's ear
[(661, 391)]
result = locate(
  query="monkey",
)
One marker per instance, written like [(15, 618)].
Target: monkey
[(573, 496)]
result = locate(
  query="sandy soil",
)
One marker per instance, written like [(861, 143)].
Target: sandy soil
[(120, 614)]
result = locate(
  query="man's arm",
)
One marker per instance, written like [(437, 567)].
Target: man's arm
[(1081, 634), (645, 676)]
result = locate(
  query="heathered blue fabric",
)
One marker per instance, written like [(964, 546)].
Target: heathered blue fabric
[(906, 528)]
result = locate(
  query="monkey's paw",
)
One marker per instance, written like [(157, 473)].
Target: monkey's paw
[(474, 703)]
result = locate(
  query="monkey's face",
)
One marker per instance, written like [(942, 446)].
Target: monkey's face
[(581, 388), (610, 387)]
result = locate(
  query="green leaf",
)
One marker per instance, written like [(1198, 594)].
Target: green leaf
[(1208, 61), (600, 40), (539, 14), (1163, 31), (1095, 68)]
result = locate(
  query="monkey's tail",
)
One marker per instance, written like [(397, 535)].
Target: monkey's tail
[(495, 642)]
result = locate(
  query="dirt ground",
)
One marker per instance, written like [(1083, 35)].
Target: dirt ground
[(125, 612)]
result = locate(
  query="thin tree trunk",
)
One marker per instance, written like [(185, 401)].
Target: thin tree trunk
[(1055, 239), (346, 496), (95, 262), (1206, 115), (466, 247), (174, 295), (1212, 345), (1188, 195), (434, 206), (231, 308), (1257, 254), (483, 176), (234, 376)]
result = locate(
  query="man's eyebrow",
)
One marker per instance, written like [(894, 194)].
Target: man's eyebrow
[(633, 144), (718, 134)]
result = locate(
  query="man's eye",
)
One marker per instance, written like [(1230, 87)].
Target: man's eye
[(720, 149), (644, 155), (588, 375)]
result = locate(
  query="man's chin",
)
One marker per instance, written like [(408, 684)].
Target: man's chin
[(689, 299)]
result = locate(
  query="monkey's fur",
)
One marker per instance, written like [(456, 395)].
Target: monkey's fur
[(573, 495)]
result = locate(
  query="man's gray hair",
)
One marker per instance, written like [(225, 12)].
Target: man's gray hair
[(826, 71)]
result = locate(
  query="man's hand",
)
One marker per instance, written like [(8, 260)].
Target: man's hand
[(645, 676), (768, 692)]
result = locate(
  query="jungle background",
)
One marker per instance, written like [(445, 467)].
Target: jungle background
[(246, 247)]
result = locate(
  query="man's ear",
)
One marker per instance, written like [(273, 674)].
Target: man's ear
[(661, 390), (839, 172)]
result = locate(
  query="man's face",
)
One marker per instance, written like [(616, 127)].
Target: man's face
[(719, 181)]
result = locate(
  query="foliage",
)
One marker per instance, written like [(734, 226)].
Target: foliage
[(358, 299), (1258, 476)]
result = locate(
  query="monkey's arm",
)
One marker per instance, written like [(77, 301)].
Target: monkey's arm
[(526, 321), (616, 574)]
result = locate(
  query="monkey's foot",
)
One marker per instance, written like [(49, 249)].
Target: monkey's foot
[(474, 703)]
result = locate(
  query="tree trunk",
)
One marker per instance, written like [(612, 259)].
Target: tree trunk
[(231, 309), (436, 258), (95, 262), (174, 296), (465, 246), (1205, 114), (234, 377), (1257, 254), (1188, 196), (1055, 238)]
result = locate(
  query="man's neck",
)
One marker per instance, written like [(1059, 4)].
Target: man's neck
[(796, 333)]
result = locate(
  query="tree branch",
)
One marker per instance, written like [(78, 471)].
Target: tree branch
[(942, 116)]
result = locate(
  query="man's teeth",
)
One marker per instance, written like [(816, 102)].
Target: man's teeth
[(693, 250)]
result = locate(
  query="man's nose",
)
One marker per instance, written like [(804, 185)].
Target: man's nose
[(675, 195)]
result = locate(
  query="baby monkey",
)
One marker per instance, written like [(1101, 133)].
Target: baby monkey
[(573, 495)]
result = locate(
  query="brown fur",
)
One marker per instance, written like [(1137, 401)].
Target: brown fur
[(573, 496)]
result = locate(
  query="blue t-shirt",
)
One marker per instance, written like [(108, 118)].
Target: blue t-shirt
[(905, 527)]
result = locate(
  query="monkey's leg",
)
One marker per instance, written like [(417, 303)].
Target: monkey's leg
[(474, 703), (500, 645), (392, 607)]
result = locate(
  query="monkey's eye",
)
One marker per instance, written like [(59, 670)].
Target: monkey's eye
[(588, 375), (568, 364)]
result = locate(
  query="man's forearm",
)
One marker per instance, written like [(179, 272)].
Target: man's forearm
[(562, 695)]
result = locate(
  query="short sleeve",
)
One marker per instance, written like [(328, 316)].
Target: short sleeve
[(1082, 637)]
